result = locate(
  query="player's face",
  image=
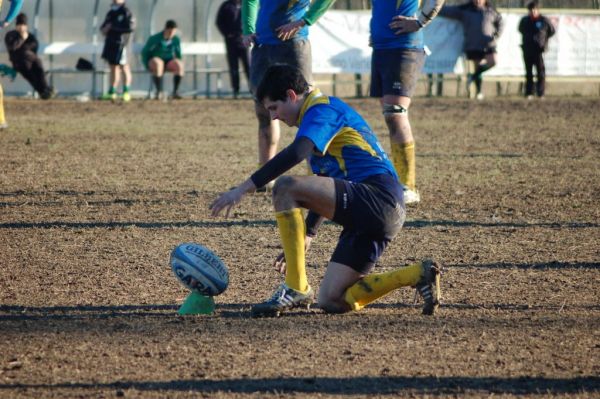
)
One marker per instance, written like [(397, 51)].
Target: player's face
[(534, 12), (285, 111), (169, 33)]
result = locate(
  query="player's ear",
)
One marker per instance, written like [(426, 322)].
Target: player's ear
[(291, 94)]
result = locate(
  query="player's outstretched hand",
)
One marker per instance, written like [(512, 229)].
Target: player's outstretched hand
[(401, 24), (280, 263), (226, 201), (280, 260), (288, 31), (231, 198)]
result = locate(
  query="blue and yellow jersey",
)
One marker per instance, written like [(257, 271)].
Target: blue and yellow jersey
[(382, 36), (274, 13), (345, 146)]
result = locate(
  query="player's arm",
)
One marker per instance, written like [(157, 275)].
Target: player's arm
[(429, 10), (314, 12), (249, 16), (177, 47), (13, 40), (13, 11), (499, 25), (33, 43), (452, 12), (402, 24), (146, 50), (285, 160), (551, 29)]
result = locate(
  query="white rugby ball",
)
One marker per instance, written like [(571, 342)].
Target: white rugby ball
[(194, 261)]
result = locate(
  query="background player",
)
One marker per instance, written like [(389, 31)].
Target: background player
[(117, 27), (13, 11), (162, 52), (398, 57), (279, 31)]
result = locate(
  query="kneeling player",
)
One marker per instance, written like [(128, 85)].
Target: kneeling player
[(355, 186)]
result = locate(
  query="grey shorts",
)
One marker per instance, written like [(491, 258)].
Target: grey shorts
[(395, 71), (294, 52)]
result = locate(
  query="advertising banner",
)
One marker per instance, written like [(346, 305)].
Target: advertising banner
[(340, 43)]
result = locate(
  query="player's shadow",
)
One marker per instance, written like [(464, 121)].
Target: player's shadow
[(123, 312), (271, 223), (551, 265), (357, 385)]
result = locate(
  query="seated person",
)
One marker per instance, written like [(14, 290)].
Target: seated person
[(22, 48), (162, 52)]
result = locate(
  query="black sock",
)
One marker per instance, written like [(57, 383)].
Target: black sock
[(176, 82), (158, 82)]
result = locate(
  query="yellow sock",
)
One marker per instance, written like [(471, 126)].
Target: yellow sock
[(2, 119), (403, 158), (292, 231), (376, 285)]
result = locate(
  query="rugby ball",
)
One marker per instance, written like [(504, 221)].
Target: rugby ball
[(190, 261)]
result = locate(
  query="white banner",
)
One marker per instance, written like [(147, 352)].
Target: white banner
[(340, 43)]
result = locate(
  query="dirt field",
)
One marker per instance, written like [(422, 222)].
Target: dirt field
[(93, 197)]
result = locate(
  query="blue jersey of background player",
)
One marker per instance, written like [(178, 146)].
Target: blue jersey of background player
[(274, 13), (397, 60), (382, 36), (276, 21), (345, 146)]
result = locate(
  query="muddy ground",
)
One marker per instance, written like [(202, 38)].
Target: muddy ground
[(93, 197)]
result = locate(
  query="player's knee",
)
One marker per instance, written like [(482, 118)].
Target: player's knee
[(397, 124), (283, 186), (394, 110), (331, 305)]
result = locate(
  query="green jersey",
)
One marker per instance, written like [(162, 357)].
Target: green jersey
[(158, 46)]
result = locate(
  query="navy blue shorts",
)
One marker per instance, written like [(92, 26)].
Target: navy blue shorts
[(476, 55), (372, 213), (395, 71)]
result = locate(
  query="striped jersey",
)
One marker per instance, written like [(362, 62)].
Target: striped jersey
[(345, 146)]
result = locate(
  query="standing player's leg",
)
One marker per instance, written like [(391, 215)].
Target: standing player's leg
[(127, 77), (115, 73), (394, 75), (483, 64), (528, 61), (244, 56), (395, 111), (233, 64), (126, 70), (3, 124), (540, 68), (268, 129)]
